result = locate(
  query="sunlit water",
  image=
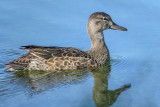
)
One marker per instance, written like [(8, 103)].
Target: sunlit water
[(130, 80)]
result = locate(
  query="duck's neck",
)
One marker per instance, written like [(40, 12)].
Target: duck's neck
[(98, 49), (97, 41)]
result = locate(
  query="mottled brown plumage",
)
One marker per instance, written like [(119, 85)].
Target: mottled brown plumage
[(64, 58)]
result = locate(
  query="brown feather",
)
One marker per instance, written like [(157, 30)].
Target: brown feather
[(51, 56)]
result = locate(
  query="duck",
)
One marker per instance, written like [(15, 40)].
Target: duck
[(66, 58)]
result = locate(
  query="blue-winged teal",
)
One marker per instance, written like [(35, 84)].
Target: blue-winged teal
[(63, 58)]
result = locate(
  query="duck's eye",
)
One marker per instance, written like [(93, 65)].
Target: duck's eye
[(105, 19)]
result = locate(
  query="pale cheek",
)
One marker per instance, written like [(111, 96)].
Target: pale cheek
[(106, 27)]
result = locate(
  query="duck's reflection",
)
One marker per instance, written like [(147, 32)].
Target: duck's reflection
[(41, 81), (101, 95)]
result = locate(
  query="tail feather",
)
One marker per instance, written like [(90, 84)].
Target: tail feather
[(10, 69), (20, 63), (15, 67)]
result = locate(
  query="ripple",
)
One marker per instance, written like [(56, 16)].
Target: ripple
[(118, 61), (9, 87), (1, 65), (8, 55)]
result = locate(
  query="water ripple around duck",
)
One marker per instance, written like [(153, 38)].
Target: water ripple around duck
[(118, 61)]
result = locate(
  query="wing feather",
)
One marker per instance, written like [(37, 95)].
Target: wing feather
[(49, 52), (45, 53)]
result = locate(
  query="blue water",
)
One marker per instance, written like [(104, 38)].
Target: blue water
[(131, 80)]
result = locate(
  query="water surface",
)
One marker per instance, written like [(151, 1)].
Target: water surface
[(131, 79)]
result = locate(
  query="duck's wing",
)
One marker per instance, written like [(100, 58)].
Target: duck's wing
[(45, 53), (50, 52)]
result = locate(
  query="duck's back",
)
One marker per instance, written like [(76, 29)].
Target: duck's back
[(51, 58)]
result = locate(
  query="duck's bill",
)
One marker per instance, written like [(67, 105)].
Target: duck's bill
[(117, 27)]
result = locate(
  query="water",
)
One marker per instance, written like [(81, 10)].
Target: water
[(130, 80)]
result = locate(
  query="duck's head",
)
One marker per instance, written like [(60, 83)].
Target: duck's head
[(100, 21)]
